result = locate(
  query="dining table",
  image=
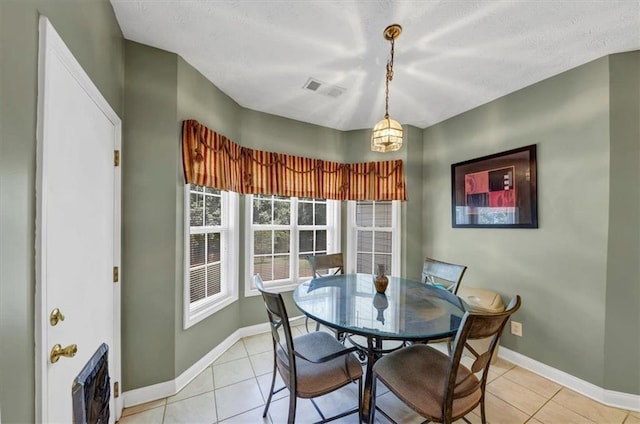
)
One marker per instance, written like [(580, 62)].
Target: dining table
[(408, 311)]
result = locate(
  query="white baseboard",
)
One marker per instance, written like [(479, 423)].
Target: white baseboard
[(172, 387), (607, 397)]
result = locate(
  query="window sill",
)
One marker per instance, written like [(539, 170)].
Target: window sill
[(194, 317)]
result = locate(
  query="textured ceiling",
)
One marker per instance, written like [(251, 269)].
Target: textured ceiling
[(451, 57)]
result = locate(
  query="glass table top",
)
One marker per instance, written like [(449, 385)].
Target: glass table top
[(409, 310)]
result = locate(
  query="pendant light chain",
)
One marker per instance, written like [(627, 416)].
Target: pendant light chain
[(388, 79)]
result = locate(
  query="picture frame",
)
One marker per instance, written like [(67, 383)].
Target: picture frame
[(496, 191)]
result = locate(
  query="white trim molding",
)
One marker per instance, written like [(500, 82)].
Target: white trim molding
[(604, 396)]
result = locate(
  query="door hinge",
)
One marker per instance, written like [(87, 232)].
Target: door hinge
[(116, 158), (115, 274), (116, 389)]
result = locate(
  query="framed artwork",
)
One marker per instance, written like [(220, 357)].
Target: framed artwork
[(496, 191)]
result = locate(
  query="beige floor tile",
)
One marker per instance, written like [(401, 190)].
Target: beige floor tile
[(589, 408), (305, 412), (533, 421), (232, 372), (143, 407), (201, 384), (473, 418), (396, 409), (150, 416), (501, 366), (381, 388), (197, 409), (264, 381), (258, 343), (492, 376), (253, 416), (635, 413), (354, 419), (262, 363), (238, 398), (632, 419), (554, 413), (500, 412), (533, 382), (516, 395), (236, 351), (339, 401)]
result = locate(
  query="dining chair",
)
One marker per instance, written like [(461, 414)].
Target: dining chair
[(331, 263), (321, 266), (443, 274), (311, 365), (436, 385)]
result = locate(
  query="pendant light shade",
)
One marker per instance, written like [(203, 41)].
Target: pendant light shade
[(387, 134)]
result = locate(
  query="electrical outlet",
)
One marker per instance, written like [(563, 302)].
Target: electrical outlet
[(516, 328)]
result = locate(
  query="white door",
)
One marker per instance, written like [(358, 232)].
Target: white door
[(78, 229)]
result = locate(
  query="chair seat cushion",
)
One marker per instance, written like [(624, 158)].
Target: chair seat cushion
[(316, 379), (417, 375)]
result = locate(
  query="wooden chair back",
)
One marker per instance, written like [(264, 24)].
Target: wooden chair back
[(475, 326), (332, 264), (443, 274), (278, 324)]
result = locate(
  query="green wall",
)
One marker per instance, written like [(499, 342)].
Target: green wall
[(90, 30), (199, 99), (149, 214), (622, 320), (575, 270)]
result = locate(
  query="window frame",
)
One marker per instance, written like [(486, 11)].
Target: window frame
[(333, 243), (229, 242), (396, 237)]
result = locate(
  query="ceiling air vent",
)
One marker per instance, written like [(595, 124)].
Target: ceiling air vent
[(312, 84), (335, 91), (323, 88)]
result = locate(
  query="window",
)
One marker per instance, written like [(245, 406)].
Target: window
[(374, 236), (210, 252), (282, 231)]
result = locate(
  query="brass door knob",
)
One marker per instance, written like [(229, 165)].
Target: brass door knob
[(57, 351), (55, 317)]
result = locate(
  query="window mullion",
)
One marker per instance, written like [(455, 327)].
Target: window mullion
[(294, 245)]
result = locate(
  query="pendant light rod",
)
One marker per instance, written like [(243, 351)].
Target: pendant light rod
[(387, 134)]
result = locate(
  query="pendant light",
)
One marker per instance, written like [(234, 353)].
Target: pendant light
[(387, 134)]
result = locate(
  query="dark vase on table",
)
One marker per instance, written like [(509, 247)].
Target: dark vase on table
[(380, 279)]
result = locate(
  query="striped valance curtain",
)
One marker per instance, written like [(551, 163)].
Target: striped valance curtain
[(210, 159)]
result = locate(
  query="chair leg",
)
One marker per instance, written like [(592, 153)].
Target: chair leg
[(372, 403), (360, 401), (292, 407), (483, 415), (273, 384)]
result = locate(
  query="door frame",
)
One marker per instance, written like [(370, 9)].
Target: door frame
[(50, 43)]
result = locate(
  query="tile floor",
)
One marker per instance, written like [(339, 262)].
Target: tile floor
[(235, 387)]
